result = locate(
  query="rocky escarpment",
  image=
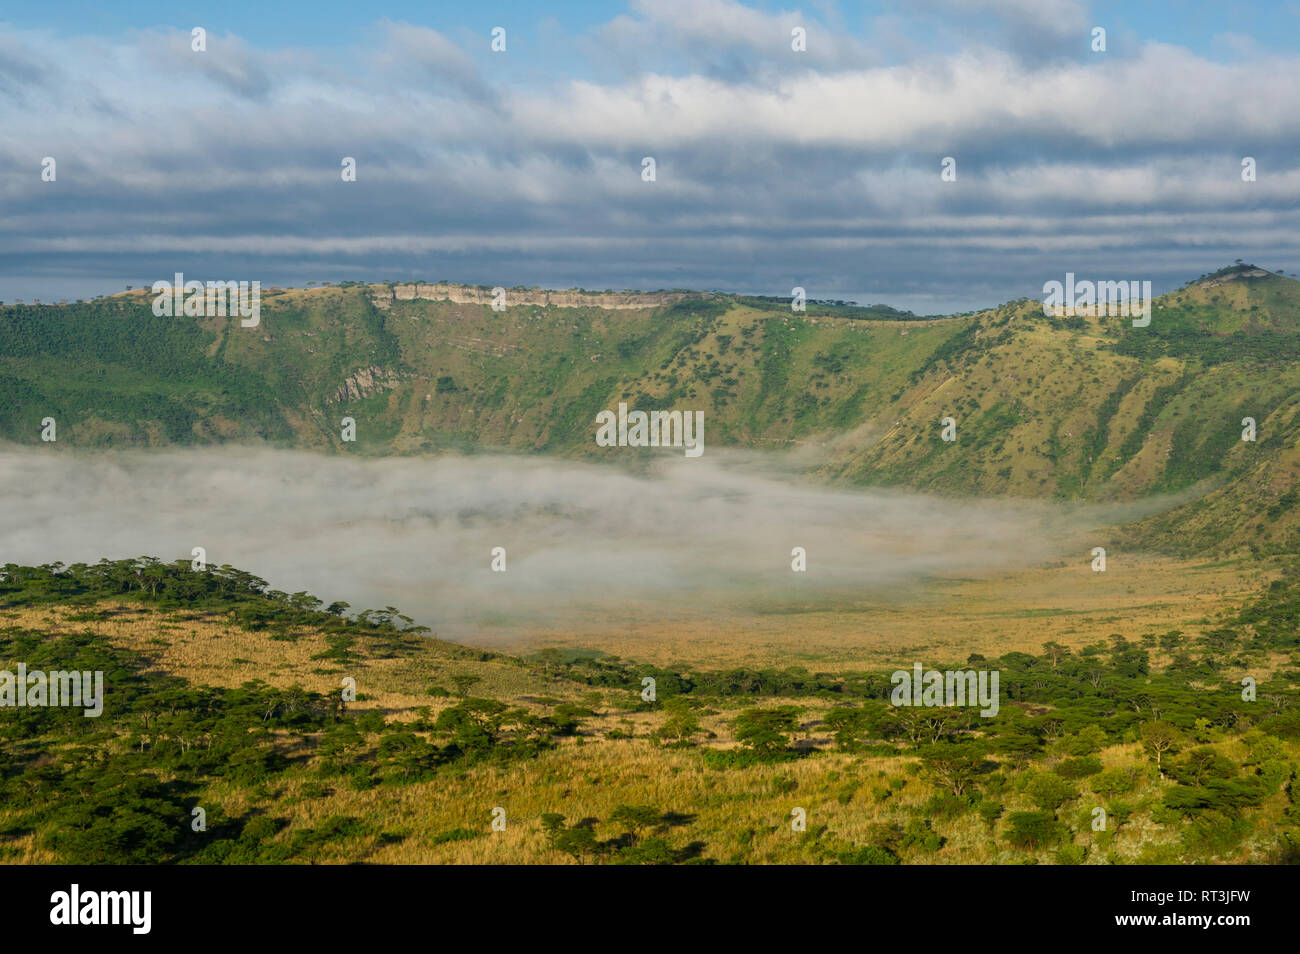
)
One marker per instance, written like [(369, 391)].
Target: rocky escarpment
[(367, 381), (384, 295), (1233, 275)]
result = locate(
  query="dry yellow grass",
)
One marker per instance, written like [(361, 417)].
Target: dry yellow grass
[(211, 650), (740, 815), (944, 620)]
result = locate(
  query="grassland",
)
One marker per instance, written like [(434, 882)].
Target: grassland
[(1016, 610), (345, 788)]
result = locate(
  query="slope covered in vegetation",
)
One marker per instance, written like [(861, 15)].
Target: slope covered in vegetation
[(224, 695), (1067, 408)]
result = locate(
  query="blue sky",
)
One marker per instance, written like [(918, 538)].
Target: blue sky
[(774, 168), (1197, 25)]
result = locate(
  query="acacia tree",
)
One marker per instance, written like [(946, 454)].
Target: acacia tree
[(924, 724), (954, 766), (578, 841), (1160, 739), (766, 731), (681, 723), (463, 682), (634, 819)]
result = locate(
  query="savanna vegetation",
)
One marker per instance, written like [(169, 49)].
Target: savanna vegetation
[(1146, 747)]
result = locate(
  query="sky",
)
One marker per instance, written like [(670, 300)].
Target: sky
[(774, 167)]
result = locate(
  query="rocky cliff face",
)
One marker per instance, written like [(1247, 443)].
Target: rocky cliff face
[(384, 295), (366, 382), (1235, 276)]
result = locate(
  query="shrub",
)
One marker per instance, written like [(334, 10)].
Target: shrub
[(1088, 741), (1032, 830), (919, 834), (990, 811), (947, 805), (1071, 854), (1078, 768), (1049, 792), (868, 855), (1114, 781)]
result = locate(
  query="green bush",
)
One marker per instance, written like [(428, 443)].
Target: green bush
[(868, 855), (1114, 781), (1071, 854), (1033, 830), (1078, 768)]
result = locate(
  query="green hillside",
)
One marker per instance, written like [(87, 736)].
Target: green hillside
[(1074, 408)]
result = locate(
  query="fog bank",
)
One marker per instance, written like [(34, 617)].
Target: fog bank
[(699, 536)]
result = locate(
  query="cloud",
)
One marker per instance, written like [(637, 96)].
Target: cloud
[(1055, 17), (19, 70), (433, 57), (227, 61), (1035, 30), (723, 38), (582, 541), (955, 103), (821, 171)]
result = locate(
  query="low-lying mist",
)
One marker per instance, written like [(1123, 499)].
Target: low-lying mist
[(582, 541)]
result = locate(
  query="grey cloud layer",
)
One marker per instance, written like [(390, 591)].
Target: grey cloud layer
[(773, 169)]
